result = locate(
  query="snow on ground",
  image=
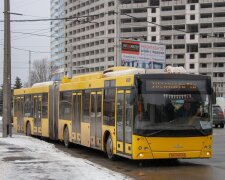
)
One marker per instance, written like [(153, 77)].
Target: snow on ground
[(24, 157)]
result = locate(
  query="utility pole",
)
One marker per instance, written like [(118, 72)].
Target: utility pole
[(29, 83), (7, 128)]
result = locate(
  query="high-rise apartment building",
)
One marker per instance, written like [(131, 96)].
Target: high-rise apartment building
[(94, 30), (194, 34), (57, 39)]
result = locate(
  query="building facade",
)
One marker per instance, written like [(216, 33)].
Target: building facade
[(194, 34), (94, 30), (57, 39)]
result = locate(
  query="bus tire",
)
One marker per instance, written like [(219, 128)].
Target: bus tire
[(221, 125), (28, 129), (66, 137), (109, 148)]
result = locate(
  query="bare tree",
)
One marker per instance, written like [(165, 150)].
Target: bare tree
[(40, 72)]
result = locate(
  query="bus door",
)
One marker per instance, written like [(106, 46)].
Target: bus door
[(37, 115), (124, 122), (96, 119), (76, 119), (20, 112)]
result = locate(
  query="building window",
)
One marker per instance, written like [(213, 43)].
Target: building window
[(153, 10), (153, 29), (192, 17), (192, 36), (153, 19), (204, 65), (192, 7), (192, 56), (153, 38), (192, 66)]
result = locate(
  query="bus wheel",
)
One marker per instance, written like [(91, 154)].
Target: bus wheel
[(221, 125), (109, 148), (66, 137), (28, 129)]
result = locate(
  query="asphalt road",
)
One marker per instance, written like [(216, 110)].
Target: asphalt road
[(197, 169)]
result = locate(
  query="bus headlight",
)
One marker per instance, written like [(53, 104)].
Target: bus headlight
[(140, 155)]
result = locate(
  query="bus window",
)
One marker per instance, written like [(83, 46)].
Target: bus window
[(86, 106), (45, 105), (65, 105), (28, 106), (109, 107)]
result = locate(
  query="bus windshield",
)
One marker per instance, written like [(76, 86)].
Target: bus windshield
[(165, 111)]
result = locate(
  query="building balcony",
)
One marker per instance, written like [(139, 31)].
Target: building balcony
[(133, 24), (179, 12), (166, 13), (219, 49), (133, 5), (204, 50), (218, 79), (205, 70), (133, 34), (179, 51), (179, 41), (178, 22), (205, 1), (218, 59), (136, 15), (218, 19), (205, 10), (206, 20), (169, 32), (219, 29), (218, 69), (218, 9), (164, 23), (205, 30), (205, 60), (205, 40), (171, 3)]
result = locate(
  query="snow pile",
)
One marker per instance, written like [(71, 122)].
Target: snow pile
[(0, 119), (28, 158)]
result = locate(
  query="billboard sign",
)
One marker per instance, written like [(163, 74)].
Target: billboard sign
[(143, 55)]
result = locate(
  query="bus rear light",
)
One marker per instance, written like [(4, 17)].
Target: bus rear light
[(146, 148), (208, 153)]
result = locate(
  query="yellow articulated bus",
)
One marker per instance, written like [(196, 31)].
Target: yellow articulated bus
[(134, 113)]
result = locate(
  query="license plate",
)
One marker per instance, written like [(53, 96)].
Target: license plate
[(177, 155)]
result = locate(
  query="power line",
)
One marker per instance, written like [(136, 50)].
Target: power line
[(85, 16), (41, 52), (55, 19), (21, 36)]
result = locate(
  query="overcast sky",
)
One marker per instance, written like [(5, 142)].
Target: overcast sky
[(31, 9)]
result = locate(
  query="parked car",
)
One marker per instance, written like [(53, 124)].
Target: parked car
[(218, 116)]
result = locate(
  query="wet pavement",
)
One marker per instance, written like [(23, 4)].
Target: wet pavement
[(192, 169)]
